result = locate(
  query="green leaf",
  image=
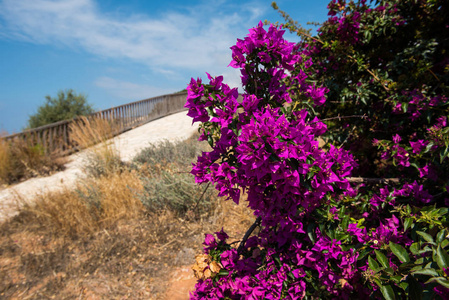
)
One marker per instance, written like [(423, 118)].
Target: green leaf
[(429, 118), (416, 167), (427, 271), (278, 260), (426, 236), (403, 285), (210, 140), (399, 251), (310, 232), (389, 270), (419, 261), (409, 209), (223, 272), (373, 265), (441, 235), (404, 106), (331, 233), (239, 132), (414, 248), (443, 154), (382, 259), (443, 281), (408, 222), (428, 147), (364, 252), (442, 258), (396, 278), (416, 268), (444, 243), (425, 249), (387, 292), (377, 281)]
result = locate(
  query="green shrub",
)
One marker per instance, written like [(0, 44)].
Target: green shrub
[(180, 153), (97, 165), (164, 168), (177, 192)]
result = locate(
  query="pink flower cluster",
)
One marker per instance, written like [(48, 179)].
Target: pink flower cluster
[(271, 152)]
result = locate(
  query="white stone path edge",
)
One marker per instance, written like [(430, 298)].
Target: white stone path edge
[(174, 127)]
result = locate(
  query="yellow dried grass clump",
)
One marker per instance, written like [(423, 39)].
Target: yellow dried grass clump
[(88, 131), (96, 204), (95, 134), (20, 160), (5, 166), (119, 196)]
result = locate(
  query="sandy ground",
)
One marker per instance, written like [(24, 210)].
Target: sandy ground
[(174, 127)]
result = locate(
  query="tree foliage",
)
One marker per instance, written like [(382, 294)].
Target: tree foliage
[(67, 105)]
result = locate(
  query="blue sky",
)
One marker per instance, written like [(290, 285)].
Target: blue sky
[(117, 52)]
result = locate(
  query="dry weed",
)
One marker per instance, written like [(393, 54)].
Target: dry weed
[(98, 241), (5, 161), (130, 259), (63, 212), (89, 131), (94, 204), (21, 160), (119, 197), (95, 134), (235, 219)]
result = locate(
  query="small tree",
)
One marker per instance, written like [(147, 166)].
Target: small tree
[(66, 106)]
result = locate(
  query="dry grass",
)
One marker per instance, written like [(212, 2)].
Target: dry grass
[(88, 131), (133, 259), (95, 133), (235, 219), (100, 240), (5, 166), (92, 205), (20, 160)]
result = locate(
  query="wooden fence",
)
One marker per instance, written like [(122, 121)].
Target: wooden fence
[(56, 137)]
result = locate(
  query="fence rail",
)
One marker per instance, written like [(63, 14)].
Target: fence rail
[(56, 137)]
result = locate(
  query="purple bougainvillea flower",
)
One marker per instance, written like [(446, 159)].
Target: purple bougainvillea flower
[(418, 146)]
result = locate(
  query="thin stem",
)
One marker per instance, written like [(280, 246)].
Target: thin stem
[(433, 74), (339, 118), (248, 233), (310, 37), (202, 195), (370, 72), (372, 180)]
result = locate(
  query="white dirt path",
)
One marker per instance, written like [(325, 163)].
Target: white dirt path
[(173, 127)]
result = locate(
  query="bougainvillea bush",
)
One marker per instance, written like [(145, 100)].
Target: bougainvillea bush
[(341, 144)]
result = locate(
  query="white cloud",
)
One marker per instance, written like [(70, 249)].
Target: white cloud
[(128, 90), (198, 39)]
